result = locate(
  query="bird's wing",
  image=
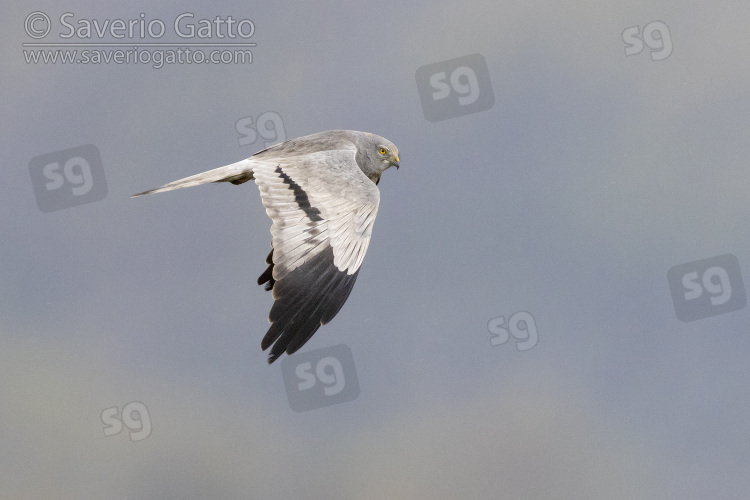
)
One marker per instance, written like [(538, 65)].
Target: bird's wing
[(323, 208)]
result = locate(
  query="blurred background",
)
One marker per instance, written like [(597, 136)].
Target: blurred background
[(552, 304)]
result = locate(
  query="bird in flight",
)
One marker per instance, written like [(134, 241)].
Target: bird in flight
[(320, 193)]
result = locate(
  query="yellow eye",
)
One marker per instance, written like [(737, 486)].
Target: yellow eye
[(382, 151)]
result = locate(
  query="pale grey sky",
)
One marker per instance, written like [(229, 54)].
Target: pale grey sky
[(592, 175)]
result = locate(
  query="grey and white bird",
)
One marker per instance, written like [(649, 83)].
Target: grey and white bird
[(320, 193)]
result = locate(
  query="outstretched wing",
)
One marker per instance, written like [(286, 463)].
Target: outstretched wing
[(323, 208)]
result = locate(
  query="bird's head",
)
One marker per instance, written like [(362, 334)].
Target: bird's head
[(375, 155), (388, 153)]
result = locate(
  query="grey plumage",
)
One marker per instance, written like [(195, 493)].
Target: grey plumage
[(320, 193)]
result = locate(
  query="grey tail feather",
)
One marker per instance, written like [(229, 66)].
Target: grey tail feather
[(236, 173)]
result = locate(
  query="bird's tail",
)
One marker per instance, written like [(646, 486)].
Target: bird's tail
[(236, 173)]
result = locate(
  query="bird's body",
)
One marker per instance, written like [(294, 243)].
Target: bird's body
[(320, 193)]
